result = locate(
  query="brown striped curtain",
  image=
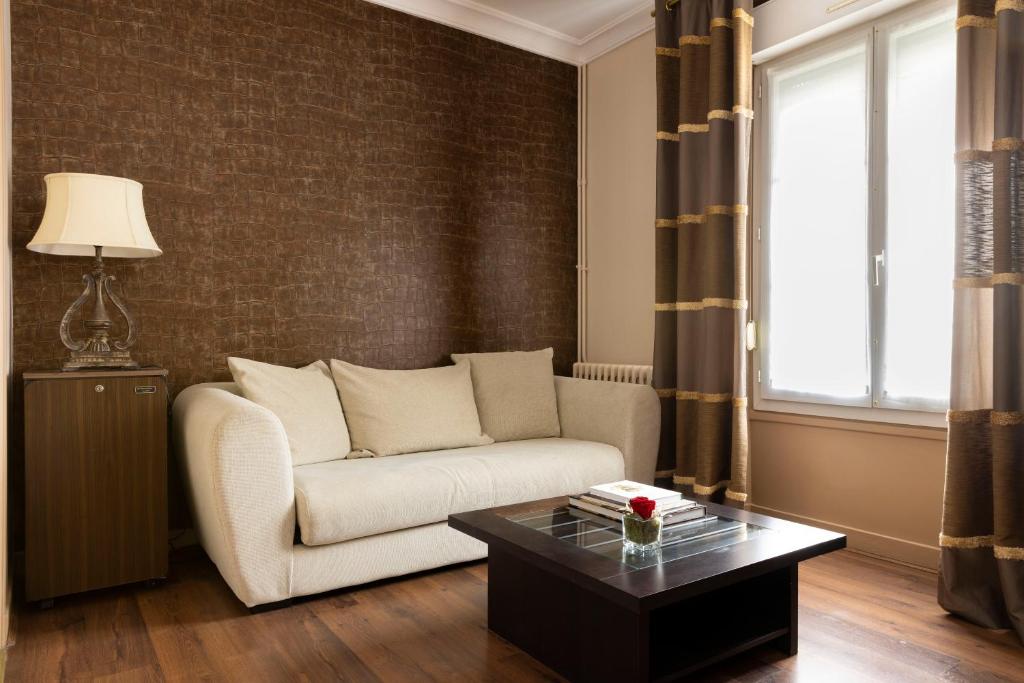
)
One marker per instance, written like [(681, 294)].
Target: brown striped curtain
[(704, 120), (982, 540)]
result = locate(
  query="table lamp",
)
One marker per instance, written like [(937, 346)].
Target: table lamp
[(95, 215)]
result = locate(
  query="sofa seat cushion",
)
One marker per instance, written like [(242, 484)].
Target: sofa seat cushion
[(345, 499)]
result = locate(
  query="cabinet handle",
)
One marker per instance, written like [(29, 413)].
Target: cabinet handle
[(99, 388)]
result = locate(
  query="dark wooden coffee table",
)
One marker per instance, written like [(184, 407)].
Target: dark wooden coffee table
[(560, 588)]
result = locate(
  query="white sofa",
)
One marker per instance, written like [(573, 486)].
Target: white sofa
[(370, 518)]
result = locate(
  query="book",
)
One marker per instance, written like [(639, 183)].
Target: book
[(663, 507), (680, 516), (614, 512), (622, 491)]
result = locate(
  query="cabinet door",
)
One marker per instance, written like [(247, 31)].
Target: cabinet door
[(95, 483)]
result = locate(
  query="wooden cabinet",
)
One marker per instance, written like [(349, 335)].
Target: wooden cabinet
[(95, 479)]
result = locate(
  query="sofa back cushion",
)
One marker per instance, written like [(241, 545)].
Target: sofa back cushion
[(406, 411), (515, 393), (305, 401)]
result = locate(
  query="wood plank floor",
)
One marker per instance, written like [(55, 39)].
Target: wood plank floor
[(861, 619)]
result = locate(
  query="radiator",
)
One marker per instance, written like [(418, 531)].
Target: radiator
[(614, 372)]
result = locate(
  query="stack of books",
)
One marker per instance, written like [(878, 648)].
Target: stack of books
[(611, 501)]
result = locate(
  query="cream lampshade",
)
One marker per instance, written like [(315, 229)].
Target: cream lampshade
[(95, 215), (85, 211)]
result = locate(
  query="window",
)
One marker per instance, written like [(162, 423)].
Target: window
[(854, 217)]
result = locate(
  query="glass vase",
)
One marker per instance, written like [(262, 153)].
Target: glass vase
[(641, 536)]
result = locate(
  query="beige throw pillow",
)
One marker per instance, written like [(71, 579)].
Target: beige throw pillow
[(515, 393), (305, 401), (407, 411)]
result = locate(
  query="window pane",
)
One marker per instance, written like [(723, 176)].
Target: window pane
[(817, 297), (920, 213)]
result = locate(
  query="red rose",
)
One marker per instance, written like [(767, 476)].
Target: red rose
[(643, 506)]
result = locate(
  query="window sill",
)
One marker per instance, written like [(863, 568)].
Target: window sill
[(850, 425)]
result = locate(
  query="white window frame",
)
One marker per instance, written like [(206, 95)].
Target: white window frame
[(876, 407)]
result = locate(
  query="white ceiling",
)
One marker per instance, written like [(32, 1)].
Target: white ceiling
[(577, 19), (574, 31)]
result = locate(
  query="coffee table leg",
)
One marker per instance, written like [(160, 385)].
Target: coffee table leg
[(575, 632), (788, 643)]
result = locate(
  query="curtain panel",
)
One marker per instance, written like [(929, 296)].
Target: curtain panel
[(982, 540), (704, 106)]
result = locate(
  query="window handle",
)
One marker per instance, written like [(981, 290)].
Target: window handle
[(879, 260)]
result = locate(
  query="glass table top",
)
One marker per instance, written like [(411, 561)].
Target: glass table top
[(604, 536)]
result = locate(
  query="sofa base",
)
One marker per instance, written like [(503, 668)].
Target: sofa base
[(317, 569)]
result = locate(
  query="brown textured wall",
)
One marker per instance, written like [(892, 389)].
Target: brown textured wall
[(327, 178)]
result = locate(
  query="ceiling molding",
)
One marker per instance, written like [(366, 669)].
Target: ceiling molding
[(615, 33), (474, 17)]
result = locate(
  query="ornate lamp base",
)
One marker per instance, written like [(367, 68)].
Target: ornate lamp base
[(80, 360), (98, 351)]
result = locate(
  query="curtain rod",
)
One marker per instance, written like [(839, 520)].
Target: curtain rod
[(669, 4)]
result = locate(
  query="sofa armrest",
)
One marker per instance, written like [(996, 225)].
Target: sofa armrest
[(626, 416), (238, 472)]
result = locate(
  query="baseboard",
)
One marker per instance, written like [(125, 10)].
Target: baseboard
[(899, 550)]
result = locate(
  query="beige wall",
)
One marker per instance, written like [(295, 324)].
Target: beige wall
[(879, 484), (620, 204)]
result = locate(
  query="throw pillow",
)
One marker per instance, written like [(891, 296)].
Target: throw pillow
[(515, 393), (305, 401), (407, 411)]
